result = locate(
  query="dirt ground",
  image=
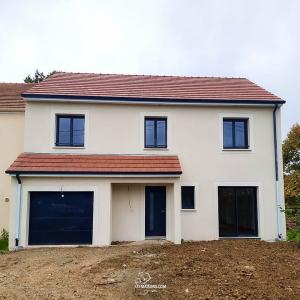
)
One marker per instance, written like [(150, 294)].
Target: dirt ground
[(204, 270)]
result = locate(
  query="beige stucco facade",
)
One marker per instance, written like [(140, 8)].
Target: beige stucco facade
[(194, 134), (12, 138)]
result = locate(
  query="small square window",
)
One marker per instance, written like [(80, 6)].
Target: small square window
[(69, 131), (188, 197), (155, 132), (235, 134)]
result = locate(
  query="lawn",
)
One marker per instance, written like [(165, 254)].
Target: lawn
[(239, 269), (3, 245)]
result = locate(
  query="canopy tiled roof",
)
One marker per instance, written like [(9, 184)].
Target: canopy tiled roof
[(95, 164), (10, 96), (167, 88)]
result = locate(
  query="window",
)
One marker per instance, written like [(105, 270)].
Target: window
[(70, 131), (237, 211), (188, 197), (235, 134), (155, 132)]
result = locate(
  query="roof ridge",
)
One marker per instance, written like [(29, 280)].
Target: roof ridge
[(148, 75)]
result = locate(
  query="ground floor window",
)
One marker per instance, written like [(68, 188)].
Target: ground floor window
[(237, 211)]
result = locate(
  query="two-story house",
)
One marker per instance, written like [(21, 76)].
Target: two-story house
[(128, 157), (12, 115)]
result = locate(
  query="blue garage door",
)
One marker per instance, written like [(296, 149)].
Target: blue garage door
[(57, 218)]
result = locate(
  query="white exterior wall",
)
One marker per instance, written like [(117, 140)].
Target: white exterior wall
[(195, 135), (12, 144), (113, 220)]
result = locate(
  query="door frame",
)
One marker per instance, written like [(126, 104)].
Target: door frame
[(259, 207), (25, 210), (166, 212)]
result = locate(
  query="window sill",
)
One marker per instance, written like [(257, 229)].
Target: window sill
[(189, 209), (236, 149), (67, 147), (159, 149)]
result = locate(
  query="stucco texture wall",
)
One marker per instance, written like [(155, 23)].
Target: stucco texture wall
[(11, 137), (194, 134)]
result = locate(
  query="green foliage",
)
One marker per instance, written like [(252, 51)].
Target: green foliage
[(291, 163), (37, 77), (294, 234), (4, 240), (291, 150)]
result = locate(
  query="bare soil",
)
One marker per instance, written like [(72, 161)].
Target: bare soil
[(239, 269)]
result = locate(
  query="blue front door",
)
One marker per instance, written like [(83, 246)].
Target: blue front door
[(155, 211)]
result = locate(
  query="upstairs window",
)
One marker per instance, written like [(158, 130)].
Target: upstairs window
[(69, 131), (188, 197), (155, 132), (235, 134)]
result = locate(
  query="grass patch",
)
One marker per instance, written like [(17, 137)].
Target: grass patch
[(4, 240), (294, 234), (3, 245)]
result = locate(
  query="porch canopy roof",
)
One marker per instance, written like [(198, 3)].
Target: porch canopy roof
[(44, 163)]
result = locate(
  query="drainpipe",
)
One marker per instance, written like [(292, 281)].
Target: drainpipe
[(278, 202), (18, 208)]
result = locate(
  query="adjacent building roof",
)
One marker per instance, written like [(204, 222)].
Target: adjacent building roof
[(10, 96), (32, 163), (155, 88)]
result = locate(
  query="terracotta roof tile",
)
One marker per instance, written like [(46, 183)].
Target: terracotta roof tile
[(95, 164), (154, 87), (10, 96)]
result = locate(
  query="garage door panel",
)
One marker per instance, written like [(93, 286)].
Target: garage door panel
[(57, 218), (67, 238), (53, 224)]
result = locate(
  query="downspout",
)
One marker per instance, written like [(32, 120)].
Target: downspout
[(278, 203), (18, 209)]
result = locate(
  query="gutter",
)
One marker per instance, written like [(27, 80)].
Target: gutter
[(152, 101), (278, 202), (18, 210)]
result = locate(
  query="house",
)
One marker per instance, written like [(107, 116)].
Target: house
[(129, 157), (12, 109)]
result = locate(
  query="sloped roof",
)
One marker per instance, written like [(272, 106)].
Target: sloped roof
[(10, 96), (95, 164), (167, 88)]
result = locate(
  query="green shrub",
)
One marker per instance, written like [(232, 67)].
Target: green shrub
[(4, 240), (294, 234)]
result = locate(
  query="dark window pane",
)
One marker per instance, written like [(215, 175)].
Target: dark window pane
[(246, 208), (78, 131), (227, 212), (70, 131), (149, 132), (161, 133), (237, 211), (227, 134), (64, 130), (188, 197), (240, 138)]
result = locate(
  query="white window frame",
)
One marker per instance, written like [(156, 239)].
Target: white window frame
[(67, 149), (249, 117), (155, 114), (196, 197)]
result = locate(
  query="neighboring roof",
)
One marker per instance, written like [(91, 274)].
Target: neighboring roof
[(62, 85), (10, 96), (32, 163)]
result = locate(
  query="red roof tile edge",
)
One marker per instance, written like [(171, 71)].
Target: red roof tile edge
[(89, 86), (33, 163)]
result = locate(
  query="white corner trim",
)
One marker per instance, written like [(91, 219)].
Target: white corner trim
[(156, 113), (250, 118), (260, 209), (68, 111), (196, 199)]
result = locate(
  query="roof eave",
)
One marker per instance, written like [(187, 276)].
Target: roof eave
[(97, 174), (38, 97)]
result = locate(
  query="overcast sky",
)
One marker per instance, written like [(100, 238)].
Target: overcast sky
[(257, 39)]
